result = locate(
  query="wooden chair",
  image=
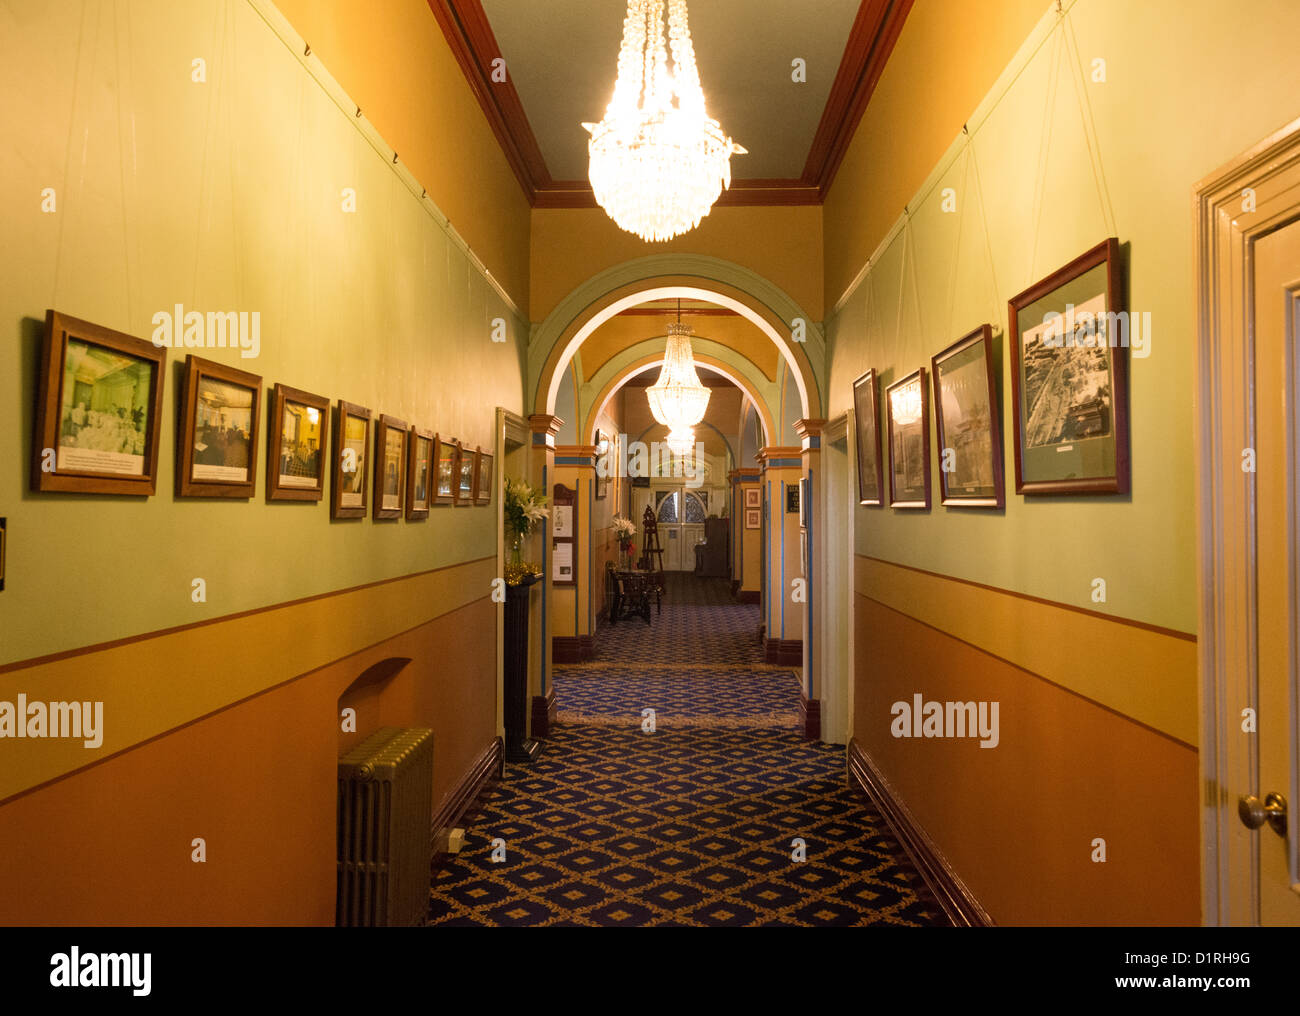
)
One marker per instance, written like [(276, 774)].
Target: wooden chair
[(652, 554)]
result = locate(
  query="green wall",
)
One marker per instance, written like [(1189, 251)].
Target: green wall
[(219, 195), (1053, 163)]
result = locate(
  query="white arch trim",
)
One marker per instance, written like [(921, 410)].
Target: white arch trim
[(670, 293)]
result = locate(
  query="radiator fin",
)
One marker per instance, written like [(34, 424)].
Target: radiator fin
[(385, 809)]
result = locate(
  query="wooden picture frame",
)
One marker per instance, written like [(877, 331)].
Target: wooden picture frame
[(4, 546), (602, 465), (421, 446), (866, 418), (296, 458), (909, 442), (753, 497), (968, 423), (391, 452), (350, 469), (564, 536), (216, 447), (466, 478), (483, 479), (1069, 378), (753, 518), (446, 459), (89, 439)]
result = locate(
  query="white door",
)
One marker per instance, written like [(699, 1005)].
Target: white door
[(680, 512)]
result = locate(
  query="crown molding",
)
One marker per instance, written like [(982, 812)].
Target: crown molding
[(875, 30)]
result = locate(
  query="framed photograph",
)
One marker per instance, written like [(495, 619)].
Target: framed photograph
[(351, 467), (299, 436), (447, 454), (603, 456), (968, 422), (216, 453), (465, 478), (753, 518), (419, 473), (909, 442), (98, 410), (483, 485), (390, 467), (1069, 378), (866, 416), (753, 497), (2, 555)]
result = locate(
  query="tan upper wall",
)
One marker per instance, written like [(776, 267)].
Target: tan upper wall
[(949, 54), (782, 244), (395, 64)]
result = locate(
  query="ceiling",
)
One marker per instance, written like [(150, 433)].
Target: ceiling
[(561, 59)]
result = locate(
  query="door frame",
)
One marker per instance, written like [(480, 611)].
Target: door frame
[(1255, 194), (836, 626)]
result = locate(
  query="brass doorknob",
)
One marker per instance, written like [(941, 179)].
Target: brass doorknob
[(1273, 811)]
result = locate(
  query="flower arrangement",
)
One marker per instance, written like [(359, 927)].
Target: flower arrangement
[(524, 509), (625, 530)]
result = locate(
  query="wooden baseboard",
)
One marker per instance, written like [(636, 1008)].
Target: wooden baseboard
[(811, 711), (735, 586), (786, 652), (950, 892), (748, 596), (486, 768), (545, 711), (572, 648)]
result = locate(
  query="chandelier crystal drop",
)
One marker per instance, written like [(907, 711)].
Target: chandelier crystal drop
[(657, 166), (678, 400)]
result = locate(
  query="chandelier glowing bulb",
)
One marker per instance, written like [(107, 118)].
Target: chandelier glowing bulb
[(658, 167), (678, 399)]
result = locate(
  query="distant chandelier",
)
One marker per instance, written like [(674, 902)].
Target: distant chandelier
[(677, 399), (657, 168)]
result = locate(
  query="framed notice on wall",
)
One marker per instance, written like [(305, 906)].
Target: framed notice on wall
[(564, 529)]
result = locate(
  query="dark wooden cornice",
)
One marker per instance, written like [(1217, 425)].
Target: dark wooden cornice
[(871, 41), (875, 30)]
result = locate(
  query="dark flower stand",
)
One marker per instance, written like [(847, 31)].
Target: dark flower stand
[(515, 708)]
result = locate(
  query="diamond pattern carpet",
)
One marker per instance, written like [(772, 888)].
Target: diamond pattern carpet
[(723, 816)]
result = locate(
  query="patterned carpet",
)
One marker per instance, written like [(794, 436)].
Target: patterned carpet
[(694, 824)]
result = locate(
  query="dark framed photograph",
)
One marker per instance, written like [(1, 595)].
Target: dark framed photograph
[(390, 467), (1069, 341), (98, 410), (447, 454), (968, 423), (299, 437), (2, 555), (866, 417), (351, 466), (419, 473), (216, 454), (483, 482), (909, 442), (466, 473), (753, 518)]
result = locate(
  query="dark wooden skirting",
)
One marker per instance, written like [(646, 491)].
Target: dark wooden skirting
[(486, 767), (951, 893), (544, 713), (786, 652), (735, 586), (811, 711), (572, 648), (749, 596)]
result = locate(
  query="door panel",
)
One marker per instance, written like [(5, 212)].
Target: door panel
[(1277, 298)]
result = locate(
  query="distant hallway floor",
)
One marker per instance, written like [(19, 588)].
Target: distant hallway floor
[(694, 824)]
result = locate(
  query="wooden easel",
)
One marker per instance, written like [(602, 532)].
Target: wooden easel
[(650, 546)]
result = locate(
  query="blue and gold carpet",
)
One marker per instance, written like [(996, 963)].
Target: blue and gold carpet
[(723, 816)]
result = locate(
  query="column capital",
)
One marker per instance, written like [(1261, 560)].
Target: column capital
[(810, 433), (544, 427), (778, 456)]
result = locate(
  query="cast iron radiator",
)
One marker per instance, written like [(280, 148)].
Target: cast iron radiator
[(385, 844)]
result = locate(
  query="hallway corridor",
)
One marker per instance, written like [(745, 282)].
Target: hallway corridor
[(693, 824)]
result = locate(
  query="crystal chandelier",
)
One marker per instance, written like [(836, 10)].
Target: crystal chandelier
[(657, 168), (677, 399)]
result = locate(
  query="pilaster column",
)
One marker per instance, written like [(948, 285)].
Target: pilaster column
[(814, 551), (542, 429)]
